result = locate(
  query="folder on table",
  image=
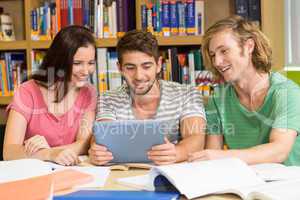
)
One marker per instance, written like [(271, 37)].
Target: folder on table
[(118, 195)]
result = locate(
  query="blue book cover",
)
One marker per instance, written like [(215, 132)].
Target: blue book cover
[(144, 16), (34, 25), (117, 195), (190, 17), (173, 17), (165, 18)]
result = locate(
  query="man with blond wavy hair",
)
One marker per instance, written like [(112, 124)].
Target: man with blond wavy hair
[(255, 113)]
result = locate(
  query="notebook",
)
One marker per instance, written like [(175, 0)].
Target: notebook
[(130, 140)]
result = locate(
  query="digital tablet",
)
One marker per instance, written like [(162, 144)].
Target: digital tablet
[(130, 140)]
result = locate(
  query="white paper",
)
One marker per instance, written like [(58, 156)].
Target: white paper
[(21, 169), (276, 172)]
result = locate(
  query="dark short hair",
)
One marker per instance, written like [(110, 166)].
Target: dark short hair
[(138, 40), (57, 64)]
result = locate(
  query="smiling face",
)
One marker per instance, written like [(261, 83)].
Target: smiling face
[(230, 59), (140, 71), (83, 65)]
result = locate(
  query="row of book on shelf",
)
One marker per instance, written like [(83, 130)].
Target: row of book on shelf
[(106, 18), (249, 9), (173, 17), (183, 67), (12, 71), (112, 18)]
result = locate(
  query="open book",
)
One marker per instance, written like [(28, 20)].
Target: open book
[(276, 171), (216, 177), (127, 166)]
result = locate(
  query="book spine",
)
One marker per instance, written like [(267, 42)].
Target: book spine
[(191, 62), (34, 24), (70, 12), (144, 17), (92, 15), (126, 15), (254, 11), (102, 69), (100, 18), (165, 18), (120, 18), (175, 66), (105, 22), (64, 13), (154, 17), (5, 89), (199, 17), (241, 8), (150, 27), (158, 14), (173, 18), (190, 17), (110, 21), (114, 19), (58, 15), (181, 17)]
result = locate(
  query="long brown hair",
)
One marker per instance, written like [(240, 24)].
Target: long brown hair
[(57, 65)]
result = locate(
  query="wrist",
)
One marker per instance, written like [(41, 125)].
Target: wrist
[(181, 153)]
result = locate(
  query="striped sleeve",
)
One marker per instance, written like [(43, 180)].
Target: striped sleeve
[(193, 104), (104, 108)]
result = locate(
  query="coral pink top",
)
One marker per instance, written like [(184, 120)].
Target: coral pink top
[(58, 130)]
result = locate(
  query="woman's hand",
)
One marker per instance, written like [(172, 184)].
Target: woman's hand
[(65, 157), (35, 143)]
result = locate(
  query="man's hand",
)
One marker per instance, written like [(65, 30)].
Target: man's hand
[(35, 143), (163, 154), (208, 154), (99, 154)]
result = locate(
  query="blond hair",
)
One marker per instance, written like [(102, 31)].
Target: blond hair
[(242, 30)]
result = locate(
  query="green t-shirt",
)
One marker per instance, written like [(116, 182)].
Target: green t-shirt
[(243, 128)]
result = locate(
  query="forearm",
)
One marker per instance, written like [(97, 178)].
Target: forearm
[(265, 153), (189, 145), (80, 147), (17, 151)]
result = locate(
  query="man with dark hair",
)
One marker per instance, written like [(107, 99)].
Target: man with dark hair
[(144, 96)]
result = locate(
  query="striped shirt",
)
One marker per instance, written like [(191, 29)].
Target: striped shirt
[(177, 102)]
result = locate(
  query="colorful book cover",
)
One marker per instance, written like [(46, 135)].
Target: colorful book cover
[(181, 17), (190, 17), (165, 18), (173, 17)]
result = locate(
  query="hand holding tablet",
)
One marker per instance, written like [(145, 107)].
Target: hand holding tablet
[(130, 140)]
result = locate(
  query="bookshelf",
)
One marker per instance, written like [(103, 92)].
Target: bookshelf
[(271, 12)]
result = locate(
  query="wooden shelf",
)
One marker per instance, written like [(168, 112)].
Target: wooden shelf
[(112, 42), (180, 40), (5, 100), (40, 44), (13, 45)]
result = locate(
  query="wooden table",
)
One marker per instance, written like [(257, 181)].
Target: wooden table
[(111, 184)]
